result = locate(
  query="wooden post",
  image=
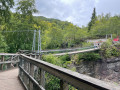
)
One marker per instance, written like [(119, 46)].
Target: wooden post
[(20, 63), (8, 65), (39, 57), (17, 60), (25, 77), (30, 55), (2, 60), (32, 74), (42, 78), (35, 56), (63, 85)]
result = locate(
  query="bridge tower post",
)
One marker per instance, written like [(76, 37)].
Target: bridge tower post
[(34, 40)]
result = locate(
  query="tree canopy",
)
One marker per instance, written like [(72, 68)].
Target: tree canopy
[(5, 6), (54, 33)]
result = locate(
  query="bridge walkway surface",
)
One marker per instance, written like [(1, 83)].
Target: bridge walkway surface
[(9, 80)]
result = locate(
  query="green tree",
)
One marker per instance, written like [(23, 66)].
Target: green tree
[(26, 8), (93, 19), (3, 44), (5, 6)]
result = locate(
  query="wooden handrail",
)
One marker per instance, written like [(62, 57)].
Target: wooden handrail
[(75, 79), (8, 63)]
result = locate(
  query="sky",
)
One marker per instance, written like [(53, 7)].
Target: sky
[(78, 12)]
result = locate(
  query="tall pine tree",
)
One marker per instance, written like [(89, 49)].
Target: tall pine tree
[(93, 19)]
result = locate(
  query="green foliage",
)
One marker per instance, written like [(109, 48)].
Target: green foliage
[(26, 7), (3, 44), (90, 56), (52, 59), (109, 50), (106, 24), (65, 58), (52, 82), (87, 44), (106, 44), (5, 6)]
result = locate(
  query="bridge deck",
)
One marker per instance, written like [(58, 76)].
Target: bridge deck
[(76, 52), (9, 80)]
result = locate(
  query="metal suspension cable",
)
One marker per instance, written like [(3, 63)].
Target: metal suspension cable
[(18, 31)]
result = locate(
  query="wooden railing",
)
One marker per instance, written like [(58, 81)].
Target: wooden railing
[(8, 61), (39, 75)]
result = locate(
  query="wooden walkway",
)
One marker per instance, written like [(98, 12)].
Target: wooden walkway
[(9, 80)]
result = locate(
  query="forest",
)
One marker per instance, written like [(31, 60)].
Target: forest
[(17, 28)]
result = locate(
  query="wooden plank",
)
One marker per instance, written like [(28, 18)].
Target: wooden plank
[(9, 80)]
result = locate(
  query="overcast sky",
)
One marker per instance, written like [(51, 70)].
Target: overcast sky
[(76, 11)]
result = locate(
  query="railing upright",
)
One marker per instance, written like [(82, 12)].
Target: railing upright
[(2, 60)]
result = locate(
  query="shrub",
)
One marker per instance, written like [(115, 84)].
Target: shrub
[(65, 58), (108, 50), (89, 56), (52, 59), (106, 44), (89, 44)]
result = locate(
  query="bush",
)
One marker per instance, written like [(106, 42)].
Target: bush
[(65, 58), (111, 52), (84, 44), (89, 56), (52, 59), (106, 44), (108, 50)]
